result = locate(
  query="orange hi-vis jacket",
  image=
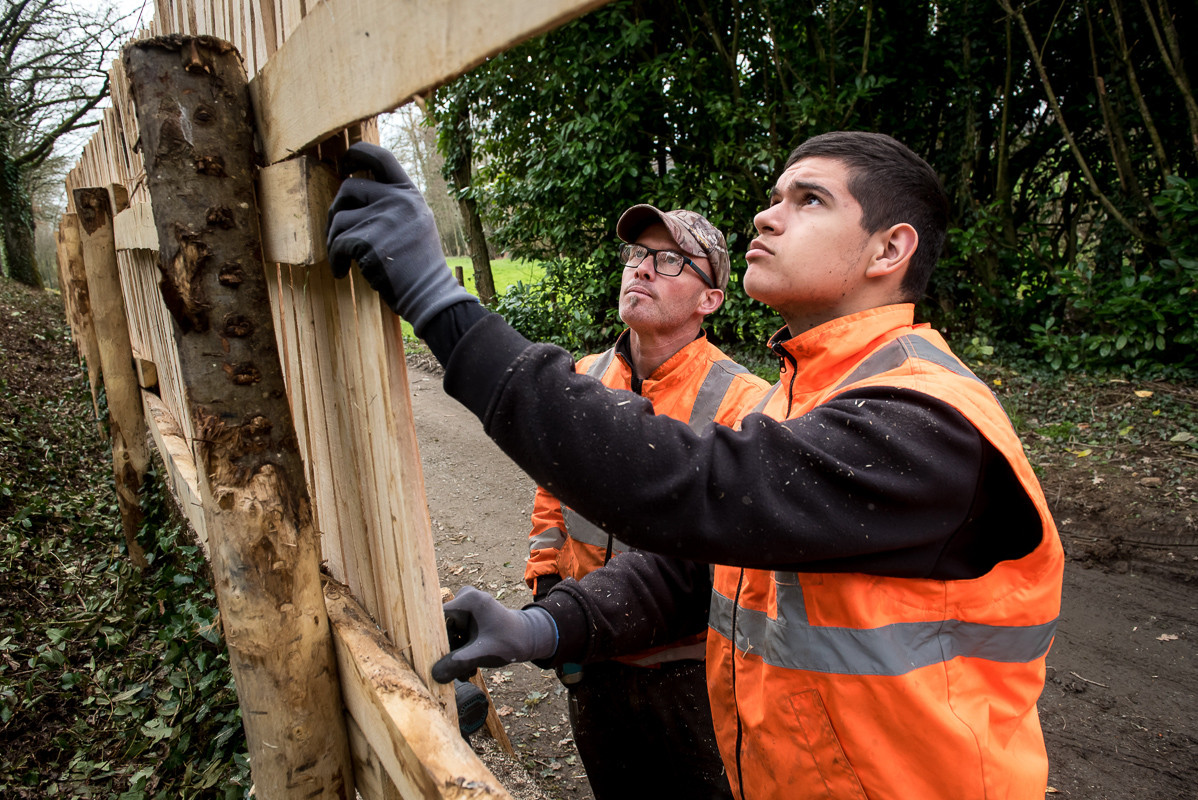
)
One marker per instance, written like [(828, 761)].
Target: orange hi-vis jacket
[(698, 385), (854, 686)]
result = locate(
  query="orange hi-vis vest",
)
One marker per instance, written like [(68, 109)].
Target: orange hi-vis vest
[(698, 385), (854, 686)]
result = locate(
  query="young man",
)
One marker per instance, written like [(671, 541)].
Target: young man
[(888, 574), (642, 722)]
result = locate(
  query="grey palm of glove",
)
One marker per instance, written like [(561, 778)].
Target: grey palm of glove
[(385, 225), (484, 633)]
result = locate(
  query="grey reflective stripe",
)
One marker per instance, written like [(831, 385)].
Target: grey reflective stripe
[(548, 539), (581, 530), (791, 642), (896, 353), (757, 409), (600, 364), (711, 393)]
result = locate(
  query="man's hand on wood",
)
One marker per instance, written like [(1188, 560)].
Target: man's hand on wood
[(385, 225)]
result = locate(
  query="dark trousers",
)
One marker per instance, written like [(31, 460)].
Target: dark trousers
[(647, 733)]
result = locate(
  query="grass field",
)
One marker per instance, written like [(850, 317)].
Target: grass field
[(506, 272)]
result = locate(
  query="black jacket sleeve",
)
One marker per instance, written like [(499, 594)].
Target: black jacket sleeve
[(636, 600), (886, 481)]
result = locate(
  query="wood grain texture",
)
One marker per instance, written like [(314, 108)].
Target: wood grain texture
[(352, 59)]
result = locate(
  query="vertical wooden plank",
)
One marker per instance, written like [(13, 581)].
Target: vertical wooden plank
[(415, 559), (336, 521)]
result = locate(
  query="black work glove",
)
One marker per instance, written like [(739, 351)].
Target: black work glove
[(385, 225), (484, 633)]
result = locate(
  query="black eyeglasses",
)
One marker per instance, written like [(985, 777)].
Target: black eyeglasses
[(665, 262)]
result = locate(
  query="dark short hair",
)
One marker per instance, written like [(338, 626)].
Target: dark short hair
[(893, 185)]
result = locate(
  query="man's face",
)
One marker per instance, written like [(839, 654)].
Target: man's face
[(658, 304), (809, 258)]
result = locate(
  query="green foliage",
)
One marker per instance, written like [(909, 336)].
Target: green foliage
[(572, 306), (1145, 320), (113, 682), (690, 104)]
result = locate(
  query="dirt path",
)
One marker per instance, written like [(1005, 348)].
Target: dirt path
[(1119, 708)]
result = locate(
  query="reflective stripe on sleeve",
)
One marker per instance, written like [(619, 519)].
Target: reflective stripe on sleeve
[(601, 363), (548, 539)]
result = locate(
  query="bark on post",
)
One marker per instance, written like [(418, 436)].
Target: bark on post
[(127, 423), (74, 289), (198, 145)]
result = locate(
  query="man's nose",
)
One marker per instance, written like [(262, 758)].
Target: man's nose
[(764, 221), (644, 270)]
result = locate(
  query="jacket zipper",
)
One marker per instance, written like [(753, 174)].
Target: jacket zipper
[(636, 384), (740, 773)]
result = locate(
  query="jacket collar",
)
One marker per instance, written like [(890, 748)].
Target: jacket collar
[(819, 357), (677, 367)]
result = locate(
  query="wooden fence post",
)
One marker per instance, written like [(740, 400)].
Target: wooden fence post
[(130, 451), (195, 126), (78, 304)]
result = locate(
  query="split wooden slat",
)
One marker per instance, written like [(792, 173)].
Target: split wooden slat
[(127, 427), (175, 450)]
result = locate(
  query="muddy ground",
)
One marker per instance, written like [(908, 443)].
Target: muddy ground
[(1119, 706)]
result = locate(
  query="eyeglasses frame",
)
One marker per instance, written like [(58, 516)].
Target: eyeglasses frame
[(653, 252)]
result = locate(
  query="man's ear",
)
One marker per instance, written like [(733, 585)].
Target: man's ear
[(895, 247), (710, 302)]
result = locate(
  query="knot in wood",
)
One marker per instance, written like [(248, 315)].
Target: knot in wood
[(204, 115), (256, 427), (238, 326), (220, 217), (231, 275), (243, 374), (213, 166), (194, 60)]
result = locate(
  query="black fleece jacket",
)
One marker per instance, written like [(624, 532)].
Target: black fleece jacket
[(881, 480)]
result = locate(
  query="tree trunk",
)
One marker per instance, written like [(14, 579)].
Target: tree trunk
[(194, 120), (16, 216), (484, 281)]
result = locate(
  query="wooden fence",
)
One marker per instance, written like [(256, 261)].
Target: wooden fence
[(172, 324)]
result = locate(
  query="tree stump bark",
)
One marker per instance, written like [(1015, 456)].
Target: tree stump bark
[(78, 303), (198, 145), (127, 422)]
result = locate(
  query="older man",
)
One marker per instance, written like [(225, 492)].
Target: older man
[(642, 722)]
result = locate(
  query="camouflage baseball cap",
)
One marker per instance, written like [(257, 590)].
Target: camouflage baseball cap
[(693, 233)]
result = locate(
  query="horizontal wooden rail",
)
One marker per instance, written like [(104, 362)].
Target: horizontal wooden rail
[(422, 752), (353, 59)]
